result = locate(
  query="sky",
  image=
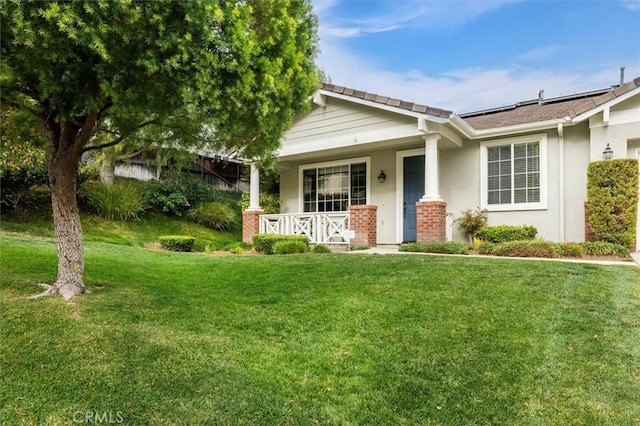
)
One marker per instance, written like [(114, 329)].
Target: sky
[(469, 55)]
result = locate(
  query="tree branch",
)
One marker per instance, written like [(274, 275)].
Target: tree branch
[(118, 139)]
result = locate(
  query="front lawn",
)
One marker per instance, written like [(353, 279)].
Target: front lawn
[(173, 338)]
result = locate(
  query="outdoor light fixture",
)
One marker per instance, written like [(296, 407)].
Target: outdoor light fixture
[(382, 177), (607, 153)]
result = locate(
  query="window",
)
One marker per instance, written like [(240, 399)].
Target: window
[(513, 176), (334, 187)]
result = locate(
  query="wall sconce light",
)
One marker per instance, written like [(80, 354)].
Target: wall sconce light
[(607, 153), (382, 177)]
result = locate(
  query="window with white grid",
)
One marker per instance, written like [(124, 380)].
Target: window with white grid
[(333, 187), (513, 174)]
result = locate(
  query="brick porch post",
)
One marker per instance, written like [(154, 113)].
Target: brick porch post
[(431, 217), (364, 221), (250, 224)]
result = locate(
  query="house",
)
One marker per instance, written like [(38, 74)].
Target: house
[(395, 171)]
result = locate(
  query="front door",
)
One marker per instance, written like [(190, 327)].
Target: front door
[(413, 184)]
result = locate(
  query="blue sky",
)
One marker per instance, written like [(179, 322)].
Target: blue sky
[(467, 55)]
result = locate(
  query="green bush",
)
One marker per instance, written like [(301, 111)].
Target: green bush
[(535, 248), (268, 202), (120, 201), (176, 192), (22, 166), (484, 247), (571, 249), (290, 247), (603, 248), (471, 221), (504, 233), (214, 215), (612, 200), (450, 247), (320, 248), (264, 242), (182, 243)]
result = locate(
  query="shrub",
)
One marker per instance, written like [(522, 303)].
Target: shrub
[(236, 249), (264, 242), (268, 202), (176, 192), (612, 200), (182, 243), (22, 166), (471, 221), (504, 233), (120, 201), (450, 247), (290, 247), (484, 247), (571, 249), (360, 247), (603, 248), (536, 248), (213, 215), (320, 248)]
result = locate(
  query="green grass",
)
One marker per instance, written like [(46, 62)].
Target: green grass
[(172, 338), (132, 233)]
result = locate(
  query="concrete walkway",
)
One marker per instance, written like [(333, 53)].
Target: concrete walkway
[(393, 249)]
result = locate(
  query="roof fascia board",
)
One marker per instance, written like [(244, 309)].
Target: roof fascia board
[(383, 107), (607, 105), (521, 128)]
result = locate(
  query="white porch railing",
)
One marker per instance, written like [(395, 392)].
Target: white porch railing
[(449, 225), (320, 228)]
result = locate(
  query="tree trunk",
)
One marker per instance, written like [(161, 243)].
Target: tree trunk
[(107, 170), (62, 163)]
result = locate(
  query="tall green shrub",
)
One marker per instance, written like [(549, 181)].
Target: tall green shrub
[(120, 201), (612, 200), (21, 168)]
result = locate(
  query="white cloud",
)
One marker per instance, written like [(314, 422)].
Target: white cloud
[(388, 15), (468, 89), (465, 89)]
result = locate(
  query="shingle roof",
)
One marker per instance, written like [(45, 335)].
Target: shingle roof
[(546, 109), (385, 100)]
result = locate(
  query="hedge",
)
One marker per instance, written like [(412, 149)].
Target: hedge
[(449, 247), (264, 242), (540, 248), (290, 246), (177, 242), (612, 200), (504, 233)]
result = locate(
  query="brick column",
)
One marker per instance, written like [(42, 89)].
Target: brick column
[(364, 221), (431, 217), (588, 234), (250, 224)]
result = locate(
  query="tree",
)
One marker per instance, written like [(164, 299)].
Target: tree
[(243, 68)]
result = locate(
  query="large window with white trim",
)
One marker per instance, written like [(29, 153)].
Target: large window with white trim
[(334, 187), (513, 174)]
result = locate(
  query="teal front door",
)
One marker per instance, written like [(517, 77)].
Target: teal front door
[(413, 184)]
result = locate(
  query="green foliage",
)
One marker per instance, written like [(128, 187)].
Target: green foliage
[(181, 243), (603, 248), (176, 192), (213, 215), (21, 168), (236, 249), (522, 248), (120, 201), (264, 242), (545, 249), (569, 249), (290, 247), (320, 248), (504, 233), (449, 247), (270, 203), (471, 221), (612, 200)]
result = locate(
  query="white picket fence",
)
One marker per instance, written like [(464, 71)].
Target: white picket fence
[(320, 228)]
